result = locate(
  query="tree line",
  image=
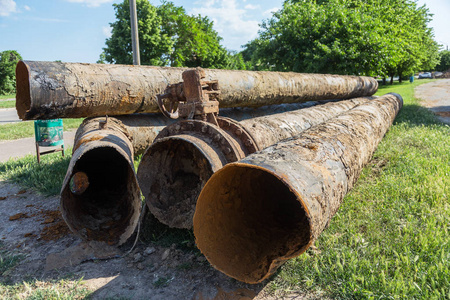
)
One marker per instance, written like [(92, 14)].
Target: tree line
[(384, 38), (362, 37)]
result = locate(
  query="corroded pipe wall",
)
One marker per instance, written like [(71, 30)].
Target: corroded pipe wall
[(174, 169), (253, 215), (47, 90), (100, 197)]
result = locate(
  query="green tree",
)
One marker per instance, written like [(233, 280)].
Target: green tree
[(444, 61), (8, 62), (153, 43), (167, 36), (370, 37)]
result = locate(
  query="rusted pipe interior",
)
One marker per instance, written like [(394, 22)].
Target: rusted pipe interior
[(23, 97), (171, 175), (105, 210), (253, 217)]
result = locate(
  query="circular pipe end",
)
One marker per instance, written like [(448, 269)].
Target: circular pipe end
[(100, 198), (248, 221), (171, 175)]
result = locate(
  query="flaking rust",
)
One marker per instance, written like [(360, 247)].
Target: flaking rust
[(255, 214), (190, 151), (48, 90)]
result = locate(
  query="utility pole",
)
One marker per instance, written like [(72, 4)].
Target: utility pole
[(134, 33)]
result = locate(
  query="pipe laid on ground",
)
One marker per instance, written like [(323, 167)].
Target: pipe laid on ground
[(254, 214), (47, 90), (100, 196), (183, 157)]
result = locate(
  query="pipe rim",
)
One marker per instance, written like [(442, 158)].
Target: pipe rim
[(200, 225)]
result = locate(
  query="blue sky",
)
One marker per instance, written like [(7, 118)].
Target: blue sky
[(75, 30)]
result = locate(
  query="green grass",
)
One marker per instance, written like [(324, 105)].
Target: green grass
[(46, 177), (7, 103), (14, 131), (43, 290), (390, 237), (9, 96)]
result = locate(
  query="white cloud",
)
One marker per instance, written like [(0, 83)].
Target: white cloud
[(251, 6), (269, 12), (7, 7), (107, 31), (26, 7), (90, 3), (232, 23)]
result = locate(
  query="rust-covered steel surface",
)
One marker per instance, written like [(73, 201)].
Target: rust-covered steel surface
[(47, 90), (254, 214), (100, 196), (185, 154)]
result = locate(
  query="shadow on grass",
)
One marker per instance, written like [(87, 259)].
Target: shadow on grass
[(46, 177), (416, 115)]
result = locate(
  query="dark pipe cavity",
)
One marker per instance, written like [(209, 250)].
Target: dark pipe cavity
[(253, 218), (103, 210)]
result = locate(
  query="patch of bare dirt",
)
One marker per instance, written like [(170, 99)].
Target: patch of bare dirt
[(149, 271)]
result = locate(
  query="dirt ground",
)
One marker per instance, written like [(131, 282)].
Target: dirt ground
[(30, 224)]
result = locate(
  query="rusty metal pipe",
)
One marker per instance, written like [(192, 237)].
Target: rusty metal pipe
[(47, 90), (100, 197), (255, 214), (185, 154)]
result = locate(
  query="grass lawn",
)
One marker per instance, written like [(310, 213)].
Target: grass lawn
[(14, 131), (9, 96), (390, 238), (7, 104)]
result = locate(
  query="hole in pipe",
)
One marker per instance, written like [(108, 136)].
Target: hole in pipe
[(171, 175), (104, 209), (246, 218)]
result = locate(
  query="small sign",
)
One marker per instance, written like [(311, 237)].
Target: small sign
[(49, 132)]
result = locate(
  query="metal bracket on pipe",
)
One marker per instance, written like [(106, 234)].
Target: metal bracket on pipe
[(194, 98)]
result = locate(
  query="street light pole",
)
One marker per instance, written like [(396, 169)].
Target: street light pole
[(134, 33)]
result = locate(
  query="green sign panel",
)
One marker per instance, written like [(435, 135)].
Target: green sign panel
[(49, 132)]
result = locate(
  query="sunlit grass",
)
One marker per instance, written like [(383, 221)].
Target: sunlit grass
[(13, 131), (9, 96), (8, 104), (37, 290)]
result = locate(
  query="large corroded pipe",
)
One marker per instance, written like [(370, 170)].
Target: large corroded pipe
[(47, 90), (183, 157), (254, 214), (100, 196)]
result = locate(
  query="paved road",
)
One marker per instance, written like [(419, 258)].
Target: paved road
[(436, 96), (8, 115)]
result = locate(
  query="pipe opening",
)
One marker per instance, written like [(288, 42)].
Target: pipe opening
[(171, 175), (23, 94), (99, 203), (246, 220)]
